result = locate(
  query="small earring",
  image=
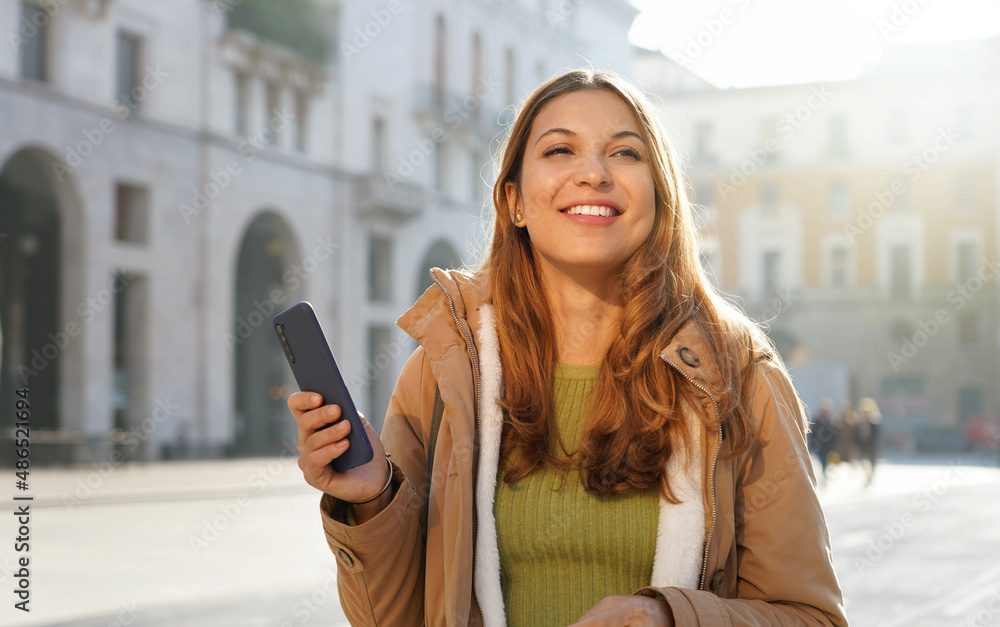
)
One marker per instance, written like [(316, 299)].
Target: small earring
[(518, 217)]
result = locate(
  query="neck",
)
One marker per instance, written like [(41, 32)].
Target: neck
[(585, 313)]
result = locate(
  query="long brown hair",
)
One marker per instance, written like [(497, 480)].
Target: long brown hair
[(635, 422)]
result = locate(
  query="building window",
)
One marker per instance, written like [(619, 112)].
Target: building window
[(900, 272), (378, 144), (381, 348), (703, 194), (839, 266), (839, 199), (901, 202), (273, 109), (704, 204), (838, 136), (769, 199), (131, 213), (477, 175), (301, 120), (968, 329), (510, 76), (440, 61), (772, 270), (965, 190), (129, 350), (897, 126), (34, 48), (965, 121), (770, 141), (476, 62), (129, 61), (703, 143), (441, 169), (379, 269), (241, 102), (966, 260), (970, 402)]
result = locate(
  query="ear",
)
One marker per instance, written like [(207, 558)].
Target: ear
[(513, 199)]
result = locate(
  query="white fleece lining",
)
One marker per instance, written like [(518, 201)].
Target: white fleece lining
[(680, 533), (487, 573)]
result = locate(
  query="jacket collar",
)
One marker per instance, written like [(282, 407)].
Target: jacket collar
[(690, 354), (688, 351), (452, 289)]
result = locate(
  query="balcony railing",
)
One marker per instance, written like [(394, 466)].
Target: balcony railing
[(382, 195), (451, 111)]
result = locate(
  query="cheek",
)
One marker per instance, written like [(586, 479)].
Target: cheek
[(648, 195), (542, 188)]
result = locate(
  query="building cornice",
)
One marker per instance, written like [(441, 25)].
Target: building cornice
[(243, 51)]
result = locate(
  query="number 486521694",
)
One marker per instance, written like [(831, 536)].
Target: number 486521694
[(22, 433)]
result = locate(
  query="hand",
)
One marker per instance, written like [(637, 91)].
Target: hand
[(318, 448), (627, 611)]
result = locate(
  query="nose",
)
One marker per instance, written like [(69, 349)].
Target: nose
[(593, 172)]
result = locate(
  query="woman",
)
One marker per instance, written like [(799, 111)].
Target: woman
[(616, 446)]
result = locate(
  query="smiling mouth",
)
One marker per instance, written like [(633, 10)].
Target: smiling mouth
[(591, 210)]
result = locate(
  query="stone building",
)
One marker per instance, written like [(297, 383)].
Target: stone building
[(858, 219), (168, 184)]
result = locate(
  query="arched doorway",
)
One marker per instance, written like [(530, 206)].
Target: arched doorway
[(33, 341), (264, 287), (440, 255)]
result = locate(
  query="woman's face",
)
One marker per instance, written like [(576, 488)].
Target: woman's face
[(587, 192)]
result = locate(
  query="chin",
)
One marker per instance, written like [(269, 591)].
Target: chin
[(595, 262)]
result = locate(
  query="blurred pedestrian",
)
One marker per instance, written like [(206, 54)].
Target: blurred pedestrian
[(867, 436), (823, 436), (846, 425)]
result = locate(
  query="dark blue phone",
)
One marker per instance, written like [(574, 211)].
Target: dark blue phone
[(315, 370)]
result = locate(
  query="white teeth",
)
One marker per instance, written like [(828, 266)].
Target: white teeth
[(591, 210)]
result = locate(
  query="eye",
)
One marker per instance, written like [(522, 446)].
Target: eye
[(556, 150), (629, 152)]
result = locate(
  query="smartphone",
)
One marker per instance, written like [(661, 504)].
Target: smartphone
[(315, 370)]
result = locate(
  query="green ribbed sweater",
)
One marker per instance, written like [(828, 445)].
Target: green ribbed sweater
[(563, 550)]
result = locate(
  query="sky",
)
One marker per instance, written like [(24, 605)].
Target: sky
[(744, 43)]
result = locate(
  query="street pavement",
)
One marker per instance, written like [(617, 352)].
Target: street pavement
[(240, 543), (921, 546)]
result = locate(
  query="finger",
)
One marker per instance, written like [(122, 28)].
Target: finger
[(319, 439), (317, 461), (301, 402), (317, 418)]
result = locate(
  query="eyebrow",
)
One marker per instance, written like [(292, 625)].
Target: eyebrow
[(566, 131)]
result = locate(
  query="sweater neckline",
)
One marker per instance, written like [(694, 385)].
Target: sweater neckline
[(567, 371)]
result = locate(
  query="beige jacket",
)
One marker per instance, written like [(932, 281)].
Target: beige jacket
[(754, 550)]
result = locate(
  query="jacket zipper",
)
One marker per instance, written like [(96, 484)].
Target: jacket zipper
[(479, 435), (715, 460)]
